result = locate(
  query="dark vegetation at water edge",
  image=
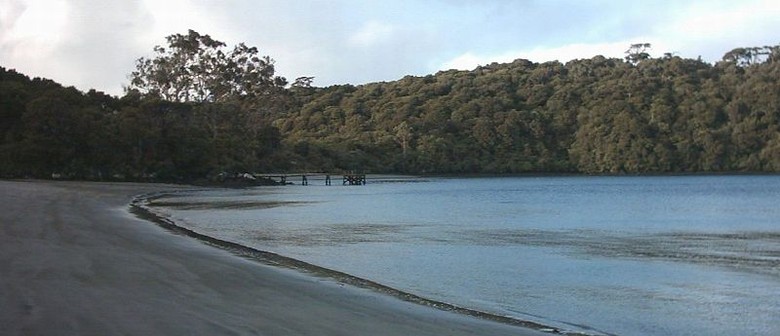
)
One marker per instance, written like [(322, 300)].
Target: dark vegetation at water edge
[(198, 109)]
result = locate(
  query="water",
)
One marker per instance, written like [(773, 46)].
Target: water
[(602, 255)]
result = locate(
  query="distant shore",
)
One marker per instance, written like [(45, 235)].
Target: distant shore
[(74, 261)]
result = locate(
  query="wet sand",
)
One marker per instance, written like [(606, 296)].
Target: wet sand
[(74, 261)]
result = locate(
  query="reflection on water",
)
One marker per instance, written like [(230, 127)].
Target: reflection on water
[(612, 255), (333, 235), (221, 205), (749, 251)]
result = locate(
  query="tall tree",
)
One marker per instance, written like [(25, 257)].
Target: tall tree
[(196, 68), (637, 52)]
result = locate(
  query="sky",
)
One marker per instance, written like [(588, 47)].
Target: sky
[(94, 44)]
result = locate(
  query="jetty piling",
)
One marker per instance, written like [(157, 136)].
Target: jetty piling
[(348, 178), (354, 179)]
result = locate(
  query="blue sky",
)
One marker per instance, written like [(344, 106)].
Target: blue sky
[(94, 43)]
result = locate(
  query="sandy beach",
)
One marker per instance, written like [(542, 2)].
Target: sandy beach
[(75, 261)]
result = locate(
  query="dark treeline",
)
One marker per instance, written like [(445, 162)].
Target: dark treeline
[(226, 111), (48, 130), (595, 115)]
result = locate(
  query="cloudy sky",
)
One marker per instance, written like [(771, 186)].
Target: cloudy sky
[(94, 43)]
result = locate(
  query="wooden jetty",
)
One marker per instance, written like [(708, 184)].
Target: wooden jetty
[(354, 179), (284, 178)]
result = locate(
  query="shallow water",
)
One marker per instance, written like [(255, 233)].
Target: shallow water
[(613, 255)]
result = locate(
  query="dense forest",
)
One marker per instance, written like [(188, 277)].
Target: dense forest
[(197, 109)]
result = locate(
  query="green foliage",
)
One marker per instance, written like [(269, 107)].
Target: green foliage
[(196, 110), (638, 52), (195, 68), (193, 110), (597, 115)]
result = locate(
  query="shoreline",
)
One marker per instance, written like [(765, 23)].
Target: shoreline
[(139, 207), (74, 261)]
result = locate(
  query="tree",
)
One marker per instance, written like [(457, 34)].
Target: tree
[(749, 56), (637, 52), (195, 68), (403, 135), (12, 106), (196, 110), (52, 136), (303, 82)]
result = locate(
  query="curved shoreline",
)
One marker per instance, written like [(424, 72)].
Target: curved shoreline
[(75, 261), (139, 206)]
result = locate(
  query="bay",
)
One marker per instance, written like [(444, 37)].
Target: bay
[(659, 255)]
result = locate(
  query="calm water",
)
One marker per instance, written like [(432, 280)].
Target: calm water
[(613, 255)]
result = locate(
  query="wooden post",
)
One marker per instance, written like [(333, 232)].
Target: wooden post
[(354, 179)]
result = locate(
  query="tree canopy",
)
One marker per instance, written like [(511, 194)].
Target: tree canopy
[(197, 110), (195, 68), (598, 115)]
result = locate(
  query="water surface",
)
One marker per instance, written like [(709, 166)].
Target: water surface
[(684, 255)]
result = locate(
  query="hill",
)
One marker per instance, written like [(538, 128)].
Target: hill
[(598, 115), (595, 115)]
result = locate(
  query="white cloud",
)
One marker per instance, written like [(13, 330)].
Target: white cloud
[(710, 22), (178, 16), (703, 29), (468, 61), (31, 30), (711, 31), (565, 53), (93, 43), (371, 33)]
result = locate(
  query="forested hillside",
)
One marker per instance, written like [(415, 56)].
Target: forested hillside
[(220, 110), (595, 115)]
